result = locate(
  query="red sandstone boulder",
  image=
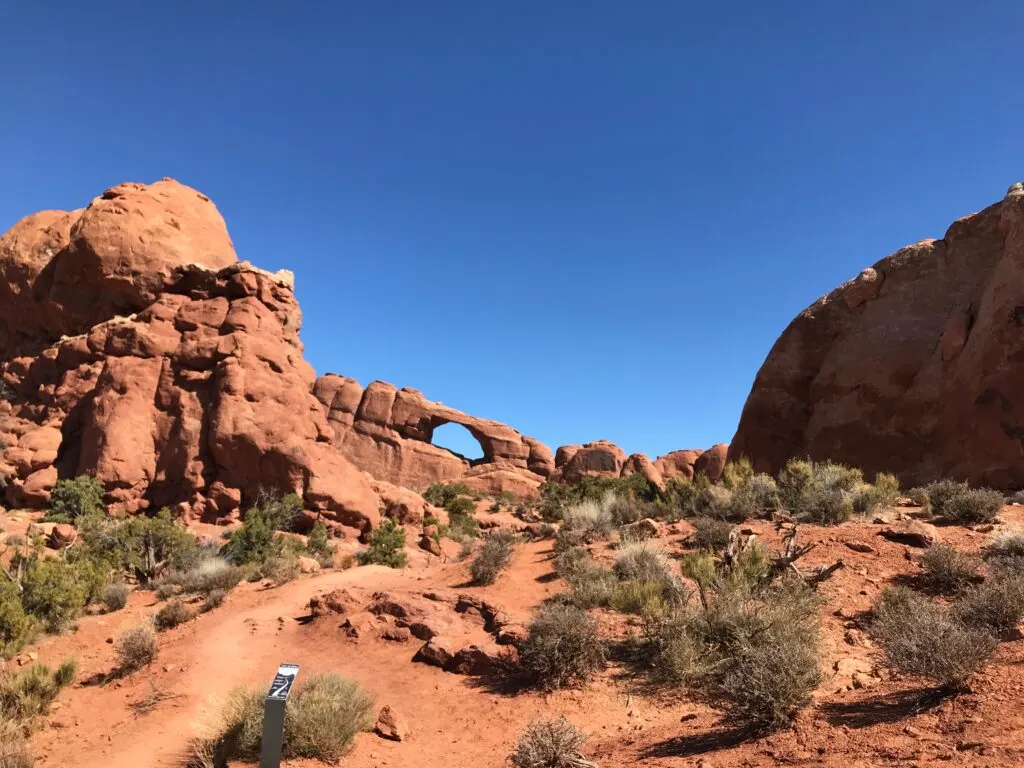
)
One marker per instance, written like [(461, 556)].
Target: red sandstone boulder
[(597, 459), (913, 367), (712, 461), (639, 464), (677, 464)]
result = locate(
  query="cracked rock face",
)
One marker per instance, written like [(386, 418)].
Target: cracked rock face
[(913, 367)]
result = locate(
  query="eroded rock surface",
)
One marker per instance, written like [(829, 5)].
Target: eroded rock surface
[(912, 367)]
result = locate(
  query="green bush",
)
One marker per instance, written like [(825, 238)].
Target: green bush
[(562, 647), (75, 499), (255, 542), (387, 546), (54, 592), (920, 637), (115, 597), (685, 498), (996, 606), (750, 497), (280, 570), (322, 717), (494, 557), (444, 494), (549, 744), (136, 648), (207, 575), (277, 510), (14, 622), (319, 544), (643, 598), (948, 570), (558, 497), (172, 614), (28, 693), (737, 473), (214, 599), (591, 585)]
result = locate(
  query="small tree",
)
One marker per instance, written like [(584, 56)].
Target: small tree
[(75, 499)]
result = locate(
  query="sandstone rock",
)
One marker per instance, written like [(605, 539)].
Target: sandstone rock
[(387, 432), (598, 459), (62, 535), (641, 529), (437, 652), (859, 546), (478, 659), (511, 634), (390, 725), (639, 464), (712, 462), (912, 533), (397, 634), (677, 464), (885, 371), (429, 544)]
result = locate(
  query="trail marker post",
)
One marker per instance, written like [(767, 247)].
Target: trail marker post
[(273, 715)]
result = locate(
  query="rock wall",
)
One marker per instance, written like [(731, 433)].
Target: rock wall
[(913, 367), (602, 458)]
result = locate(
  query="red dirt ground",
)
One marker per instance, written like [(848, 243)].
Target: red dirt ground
[(458, 723)]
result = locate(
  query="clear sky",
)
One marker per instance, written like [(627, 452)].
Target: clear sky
[(587, 219)]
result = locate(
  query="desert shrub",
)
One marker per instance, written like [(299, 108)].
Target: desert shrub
[(750, 496), (319, 544), (549, 744), (996, 606), (14, 751), (685, 498), (639, 597), (75, 499), (208, 574), (947, 569), (641, 561), (920, 637), (756, 650), (461, 525), (28, 693), (322, 717), (281, 569), (562, 647), (919, 496), (557, 498), (820, 493), (568, 538), (386, 546), (164, 591), (1007, 549), (214, 599), (710, 534), (135, 648), (255, 542), (115, 597), (172, 614), (14, 622), (279, 511), (974, 505), (879, 495), (494, 556), (53, 591), (737, 473), (590, 517), (591, 584), (443, 494)]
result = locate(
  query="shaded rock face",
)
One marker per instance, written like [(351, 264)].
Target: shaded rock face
[(387, 432), (913, 367), (155, 361)]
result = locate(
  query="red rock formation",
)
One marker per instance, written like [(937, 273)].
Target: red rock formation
[(913, 367), (605, 459), (154, 360), (387, 432)]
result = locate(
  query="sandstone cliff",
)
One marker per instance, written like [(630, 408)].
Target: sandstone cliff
[(913, 367)]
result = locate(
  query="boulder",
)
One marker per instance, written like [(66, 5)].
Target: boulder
[(600, 458), (478, 659), (641, 530), (912, 533), (62, 535), (677, 464), (437, 652), (712, 462), (912, 367), (639, 464), (390, 725)]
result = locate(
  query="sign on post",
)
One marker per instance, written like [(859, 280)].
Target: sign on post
[(273, 715)]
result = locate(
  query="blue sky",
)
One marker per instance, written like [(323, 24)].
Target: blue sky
[(586, 219)]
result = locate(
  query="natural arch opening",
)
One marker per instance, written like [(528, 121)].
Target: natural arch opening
[(459, 440)]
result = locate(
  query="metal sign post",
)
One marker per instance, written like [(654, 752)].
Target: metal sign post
[(273, 715)]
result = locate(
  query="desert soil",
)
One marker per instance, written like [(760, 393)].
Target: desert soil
[(458, 722)]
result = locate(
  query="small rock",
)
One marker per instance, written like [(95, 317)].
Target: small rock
[(308, 565), (397, 634), (436, 652), (688, 716), (860, 546), (511, 634), (110, 641), (390, 725), (963, 746), (988, 528), (912, 533), (167, 667), (429, 544), (912, 732)]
